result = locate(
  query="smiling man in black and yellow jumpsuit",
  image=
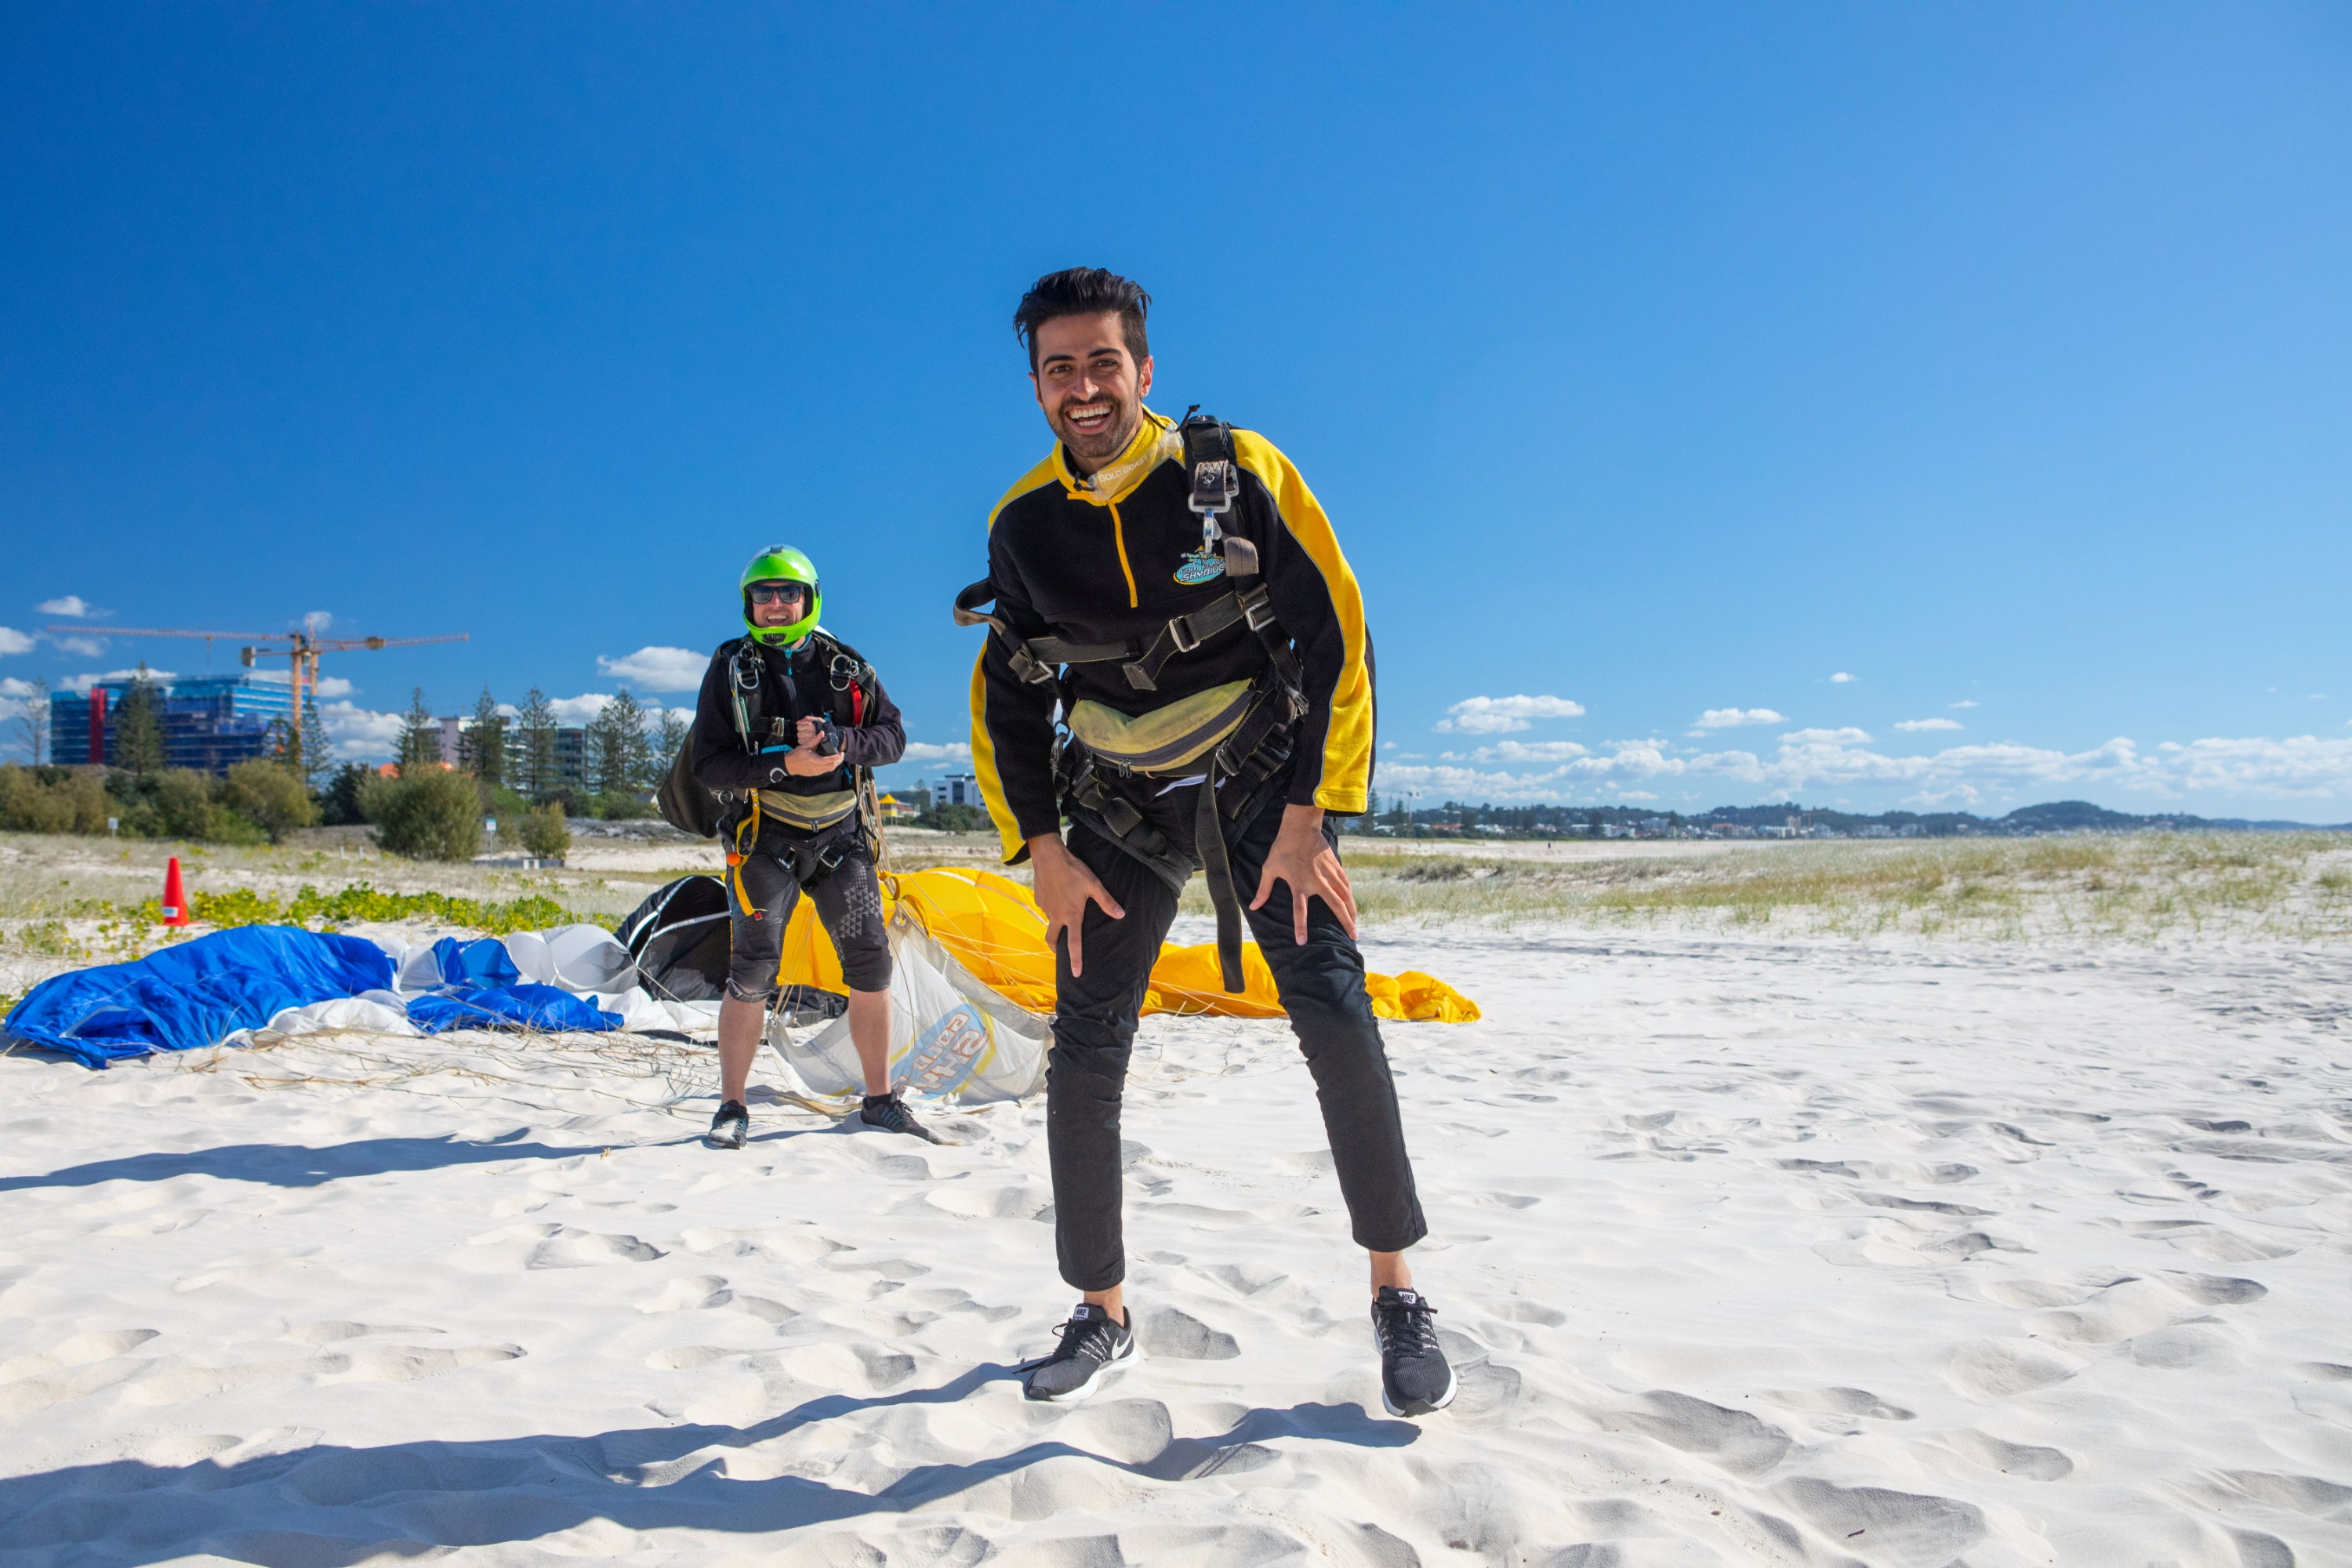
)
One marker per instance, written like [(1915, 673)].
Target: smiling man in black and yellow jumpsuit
[(1217, 685)]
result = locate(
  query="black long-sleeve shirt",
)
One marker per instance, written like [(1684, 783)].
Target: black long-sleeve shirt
[(793, 686), (1114, 556)]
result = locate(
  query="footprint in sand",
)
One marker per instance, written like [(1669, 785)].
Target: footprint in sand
[(1987, 1370), (571, 1248), (1842, 1401), (689, 1293), (1168, 1334), (2297, 1494), (1902, 1529), (2136, 1306), (2010, 1458), (334, 1332), (1734, 1440), (71, 1370)]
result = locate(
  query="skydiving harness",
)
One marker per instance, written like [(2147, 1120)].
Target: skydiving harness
[(1243, 736), (820, 855)]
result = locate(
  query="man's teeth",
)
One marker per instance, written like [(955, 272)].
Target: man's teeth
[(1090, 414)]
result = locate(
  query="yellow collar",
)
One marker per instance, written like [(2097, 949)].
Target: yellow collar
[(1155, 442)]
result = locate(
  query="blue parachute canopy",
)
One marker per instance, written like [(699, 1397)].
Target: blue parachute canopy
[(507, 1007), (195, 994)]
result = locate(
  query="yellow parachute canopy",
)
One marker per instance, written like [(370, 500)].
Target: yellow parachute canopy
[(996, 931)]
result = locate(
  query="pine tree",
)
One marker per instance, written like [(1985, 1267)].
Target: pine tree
[(420, 736), (484, 743), (675, 727), (616, 745), (535, 757), (33, 723), (139, 729)]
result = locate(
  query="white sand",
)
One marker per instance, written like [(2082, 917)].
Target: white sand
[(1750, 1251)]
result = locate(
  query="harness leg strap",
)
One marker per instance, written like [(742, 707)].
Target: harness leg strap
[(1217, 863)]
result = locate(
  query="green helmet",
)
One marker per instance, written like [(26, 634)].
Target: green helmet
[(782, 563)]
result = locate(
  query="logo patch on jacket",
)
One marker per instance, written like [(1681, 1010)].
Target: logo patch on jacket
[(1200, 567)]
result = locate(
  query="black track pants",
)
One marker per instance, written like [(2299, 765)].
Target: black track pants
[(1322, 988)]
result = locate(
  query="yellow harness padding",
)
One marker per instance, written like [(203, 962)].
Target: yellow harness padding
[(806, 812), (1166, 738), (995, 930)]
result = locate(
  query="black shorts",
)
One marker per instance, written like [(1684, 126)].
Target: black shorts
[(848, 901)]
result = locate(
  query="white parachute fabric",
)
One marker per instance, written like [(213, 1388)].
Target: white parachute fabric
[(583, 959), (949, 1034)]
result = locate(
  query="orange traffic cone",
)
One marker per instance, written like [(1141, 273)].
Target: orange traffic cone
[(175, 897)]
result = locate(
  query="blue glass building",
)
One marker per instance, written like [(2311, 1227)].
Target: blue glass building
[(210, 721)]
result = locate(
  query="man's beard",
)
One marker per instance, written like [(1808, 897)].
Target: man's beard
[(1109, 442)]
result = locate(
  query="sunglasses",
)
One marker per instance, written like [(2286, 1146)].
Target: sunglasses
[(768, 594)]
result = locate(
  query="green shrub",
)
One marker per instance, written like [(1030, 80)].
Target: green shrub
[(432, 816), (246, 907), (268, 795), (545, 834), (372, 796), (52, 800), (954, 819), (183, 804), (619, 805)]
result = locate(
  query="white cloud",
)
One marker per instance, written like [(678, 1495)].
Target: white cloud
[(1841, 678), (1911, 725), (88, 647), (13, 641), (12, 687), (329, 685), (358, 734), (578, 710), (1529, 752), (1496, 715), (317, 621), (658, 668), (1966, 702), (73, 607), (1731, 718), (2306, 767), (80, 685), (929, 751)]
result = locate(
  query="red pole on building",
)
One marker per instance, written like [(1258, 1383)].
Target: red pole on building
[(98, 725)]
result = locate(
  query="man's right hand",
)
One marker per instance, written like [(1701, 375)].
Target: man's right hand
[(1064, 887)]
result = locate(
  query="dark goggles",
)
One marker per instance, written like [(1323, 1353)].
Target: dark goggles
[(776, 593)]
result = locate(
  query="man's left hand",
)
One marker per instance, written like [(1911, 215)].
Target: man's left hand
[(1302, 857), (804, 762)]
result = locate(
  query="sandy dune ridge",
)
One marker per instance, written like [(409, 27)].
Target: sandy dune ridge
[(1749, 1250)]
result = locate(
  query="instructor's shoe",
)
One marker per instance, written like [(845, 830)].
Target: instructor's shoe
[(729, 1127), (890, 1114), (1092, 1343), (1415, 1378)]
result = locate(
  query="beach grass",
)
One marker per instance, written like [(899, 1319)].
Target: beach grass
[(2135, 887)]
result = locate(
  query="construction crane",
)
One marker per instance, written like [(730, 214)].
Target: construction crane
[(301, 653)]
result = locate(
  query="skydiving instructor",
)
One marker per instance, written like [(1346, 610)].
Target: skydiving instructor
[(1177, 661), (788, 719)]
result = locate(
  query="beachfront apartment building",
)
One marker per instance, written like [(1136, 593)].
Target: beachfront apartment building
[(210, 722)]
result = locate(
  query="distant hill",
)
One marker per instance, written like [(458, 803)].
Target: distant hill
[(2026, 821)]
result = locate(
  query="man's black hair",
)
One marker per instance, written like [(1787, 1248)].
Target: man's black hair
[(1084, 291)]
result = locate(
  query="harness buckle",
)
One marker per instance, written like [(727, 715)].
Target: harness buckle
[(1180, 632), (1257, 608), (1215, 482)]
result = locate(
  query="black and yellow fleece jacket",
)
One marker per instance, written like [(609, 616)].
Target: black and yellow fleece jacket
[(1115, 557)]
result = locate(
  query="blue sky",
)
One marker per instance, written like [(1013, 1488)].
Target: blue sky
[(1660, 366)]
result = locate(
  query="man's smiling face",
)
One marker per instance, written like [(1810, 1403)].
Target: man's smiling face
[(1089, 385)]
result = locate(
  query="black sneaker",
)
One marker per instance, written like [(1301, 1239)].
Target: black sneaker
[(729, 1127), (1415, 1378), (890, 1114), (1092, 1343)]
